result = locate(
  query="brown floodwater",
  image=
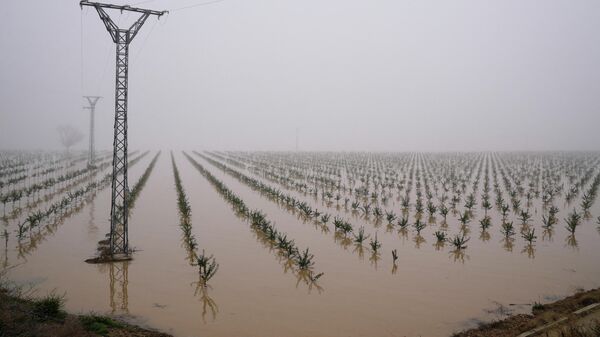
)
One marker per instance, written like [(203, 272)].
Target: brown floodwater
[(431, 292)]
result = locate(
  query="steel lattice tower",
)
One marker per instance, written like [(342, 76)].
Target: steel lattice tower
[(92, 100), (119, 241)]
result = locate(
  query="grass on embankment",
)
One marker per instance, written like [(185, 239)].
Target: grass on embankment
[(24, 316), (543, 314)]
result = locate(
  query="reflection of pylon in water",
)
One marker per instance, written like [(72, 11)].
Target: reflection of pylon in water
[(92, 228), (118, 287), (5, 263)]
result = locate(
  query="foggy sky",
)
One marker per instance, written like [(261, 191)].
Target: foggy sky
[(350, 75)]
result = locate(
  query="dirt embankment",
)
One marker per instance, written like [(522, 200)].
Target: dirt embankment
[(541, 315), (24, 317)]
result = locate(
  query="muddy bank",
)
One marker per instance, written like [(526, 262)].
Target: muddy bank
[(541, 314), (22, 316)]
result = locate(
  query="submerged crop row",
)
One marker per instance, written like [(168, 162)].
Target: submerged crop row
[(207, 265), (301, 259), (15, 195), (388, 188), (139, 185), (344, 231), (73, 197)]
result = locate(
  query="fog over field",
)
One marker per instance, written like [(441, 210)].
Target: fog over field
[(331, 168), (345, 75)]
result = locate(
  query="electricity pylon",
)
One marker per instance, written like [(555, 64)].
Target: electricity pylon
[(92, 100), (122, 37)]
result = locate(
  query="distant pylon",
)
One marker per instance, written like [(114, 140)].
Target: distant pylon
[(92, 100)]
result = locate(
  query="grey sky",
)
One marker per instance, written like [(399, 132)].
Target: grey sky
[(351, 75)]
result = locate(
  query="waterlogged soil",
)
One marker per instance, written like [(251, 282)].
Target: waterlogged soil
[(547, 313), (430, 292)]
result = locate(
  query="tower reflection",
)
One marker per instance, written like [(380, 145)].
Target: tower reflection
[(118, 276)]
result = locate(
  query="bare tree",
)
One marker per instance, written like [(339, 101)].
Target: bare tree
[(69, 136)]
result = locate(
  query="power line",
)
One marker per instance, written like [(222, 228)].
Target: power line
[(124, 17), (81, 46), (141, 2), (196, 5), (108, 52), (137, 55)]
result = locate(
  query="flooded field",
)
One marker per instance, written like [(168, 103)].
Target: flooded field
[(399, 244)]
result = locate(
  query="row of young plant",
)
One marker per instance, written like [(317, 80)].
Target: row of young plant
[(139, 185), (512, 192), (431, 207), (44, 168), (16, 195), (549, 217), (35, 238), (207, 265), (301, 259), (15, 161), (73, 197), (341, 226), (327, 176), (16, 211), (41, 171), (439, 175), (43, 180), (229, 160), (336, 191), (464, 217), (344, 231), (366, 208), (43, 165), (326, 196), (507, 228), (12, 180)]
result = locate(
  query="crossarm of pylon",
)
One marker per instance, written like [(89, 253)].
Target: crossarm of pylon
[(135, 28)]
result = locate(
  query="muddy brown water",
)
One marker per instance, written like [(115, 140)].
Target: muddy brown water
[(432, 292)]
